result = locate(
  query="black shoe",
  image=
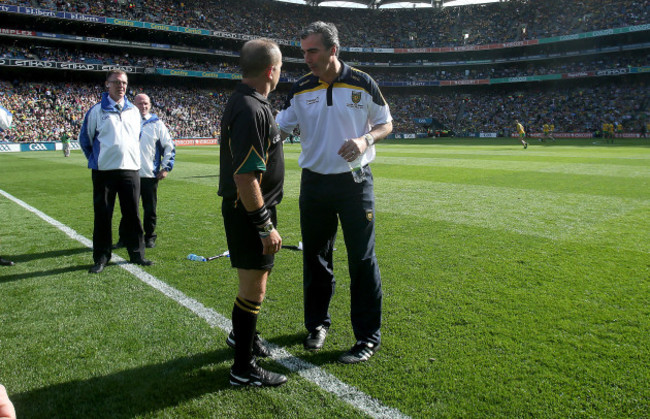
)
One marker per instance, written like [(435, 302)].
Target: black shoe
[(360, 352), (150, 244), (119, 245), (315, 340), (258, 377), (97, 268), (5, 262), (142, 261), (259, 350)]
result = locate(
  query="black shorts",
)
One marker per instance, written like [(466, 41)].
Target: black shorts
[(244, 242)]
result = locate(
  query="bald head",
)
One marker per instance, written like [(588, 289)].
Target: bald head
[(143, 103), (257, 56)]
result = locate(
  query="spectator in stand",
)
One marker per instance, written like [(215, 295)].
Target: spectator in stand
[(484, 24), (192, 112)]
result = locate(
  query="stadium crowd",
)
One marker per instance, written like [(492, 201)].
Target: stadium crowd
[(60, 54), (380, 74), (514, 20), (43, 111), (569, 109)]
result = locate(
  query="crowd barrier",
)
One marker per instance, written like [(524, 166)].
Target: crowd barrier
[(74, 145), (181, 142), (21, 147)]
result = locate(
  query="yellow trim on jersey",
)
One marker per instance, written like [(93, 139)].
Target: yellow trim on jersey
[(321, 86), (350, 86), (324, 85), (250, 164)]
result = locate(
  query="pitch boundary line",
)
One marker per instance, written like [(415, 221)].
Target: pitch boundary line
[(307, 370)]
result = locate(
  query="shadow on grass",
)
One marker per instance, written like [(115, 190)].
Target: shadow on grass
[(319, 358), (50, 254), (32, 274), (129, 393), (201, 177)]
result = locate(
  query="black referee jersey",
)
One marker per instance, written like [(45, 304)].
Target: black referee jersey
[(250, 142)]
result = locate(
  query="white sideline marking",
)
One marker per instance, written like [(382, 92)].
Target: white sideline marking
[(309, 371)]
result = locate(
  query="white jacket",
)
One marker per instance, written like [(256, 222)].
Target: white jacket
[(109, 138), (156, 147), (5, 119)]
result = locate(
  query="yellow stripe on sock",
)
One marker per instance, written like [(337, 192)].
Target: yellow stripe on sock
[(247, 306)]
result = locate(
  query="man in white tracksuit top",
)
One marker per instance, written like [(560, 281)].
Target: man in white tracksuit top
[(110, 140), (157, 155), (5, 118), (5, 123)]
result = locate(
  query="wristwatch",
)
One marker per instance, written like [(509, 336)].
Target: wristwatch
[(370, 140), (266, 229)]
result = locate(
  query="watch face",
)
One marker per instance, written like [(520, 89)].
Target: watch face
[(268, 228)]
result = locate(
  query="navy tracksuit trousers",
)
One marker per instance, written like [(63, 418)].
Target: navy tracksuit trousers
[(324, 200)]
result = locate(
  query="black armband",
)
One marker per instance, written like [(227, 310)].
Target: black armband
[(260, 217)]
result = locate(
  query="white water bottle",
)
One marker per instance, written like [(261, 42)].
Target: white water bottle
[(192, 256)]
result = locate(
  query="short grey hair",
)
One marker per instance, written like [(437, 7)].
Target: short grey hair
[(116, 72), (329, 32), (257, 55)]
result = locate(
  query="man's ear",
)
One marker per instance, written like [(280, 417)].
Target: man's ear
[(269, 71)]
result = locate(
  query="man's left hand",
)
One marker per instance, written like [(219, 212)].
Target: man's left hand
[(162, 174), (353, 148)]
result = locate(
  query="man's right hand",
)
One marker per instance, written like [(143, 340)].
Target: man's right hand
[(272, 243)]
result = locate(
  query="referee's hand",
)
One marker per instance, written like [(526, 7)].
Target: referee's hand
[(272, 244)]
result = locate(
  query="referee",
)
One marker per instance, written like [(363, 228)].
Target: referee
[(250, 182)]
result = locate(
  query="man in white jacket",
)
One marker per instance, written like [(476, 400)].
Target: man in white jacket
[(110, 140), (157, 155), (5, 123)]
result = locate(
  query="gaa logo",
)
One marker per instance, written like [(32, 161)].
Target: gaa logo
[(356, 97), (37, 147)]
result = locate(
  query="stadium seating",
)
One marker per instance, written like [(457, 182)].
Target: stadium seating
[(44, 106)]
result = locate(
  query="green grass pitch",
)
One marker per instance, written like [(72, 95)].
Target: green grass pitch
[(516, 284)]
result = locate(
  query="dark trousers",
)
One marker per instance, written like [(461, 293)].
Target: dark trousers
[(106, 185), (149, 194), (324, 200)]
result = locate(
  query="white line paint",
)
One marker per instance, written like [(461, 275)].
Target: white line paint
[(308, 371)]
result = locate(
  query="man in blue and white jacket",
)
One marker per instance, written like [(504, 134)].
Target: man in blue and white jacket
[(5, 123), (157, 155), (110, 139), (5, 118)]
